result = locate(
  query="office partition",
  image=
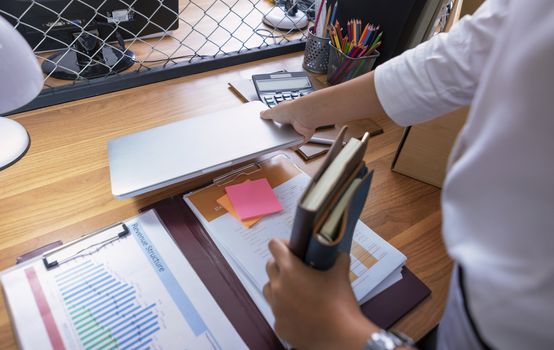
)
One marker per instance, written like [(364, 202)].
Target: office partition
[(90, 47)]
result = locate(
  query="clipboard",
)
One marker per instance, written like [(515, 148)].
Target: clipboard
[(226, 288)]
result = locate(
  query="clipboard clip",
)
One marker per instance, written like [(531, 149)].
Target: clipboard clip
[(246, 170), (85, 245)]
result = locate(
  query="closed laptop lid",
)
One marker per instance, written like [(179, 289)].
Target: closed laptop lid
[(158, 157)]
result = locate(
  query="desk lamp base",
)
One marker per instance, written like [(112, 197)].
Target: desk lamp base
[(14, 142)]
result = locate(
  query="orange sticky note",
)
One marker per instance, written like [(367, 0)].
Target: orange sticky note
[(226, 204), (253, 198)]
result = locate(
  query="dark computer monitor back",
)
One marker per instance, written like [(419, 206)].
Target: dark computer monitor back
[(40, 16)]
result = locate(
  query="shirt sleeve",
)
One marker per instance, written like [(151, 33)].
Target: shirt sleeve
[(442, 73)]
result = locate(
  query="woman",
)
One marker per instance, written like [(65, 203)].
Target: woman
[(498, 195)]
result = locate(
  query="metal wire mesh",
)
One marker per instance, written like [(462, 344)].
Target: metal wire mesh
[(119, 37)]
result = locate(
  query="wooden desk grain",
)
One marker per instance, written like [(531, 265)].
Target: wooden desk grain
[(61, 188)]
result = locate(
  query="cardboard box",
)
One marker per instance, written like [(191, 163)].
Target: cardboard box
[(424, 149)]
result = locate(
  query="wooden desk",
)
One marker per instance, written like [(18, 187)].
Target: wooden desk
[(61, 188)]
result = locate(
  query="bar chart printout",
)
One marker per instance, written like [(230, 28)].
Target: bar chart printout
[(104, 310), (125, 295)]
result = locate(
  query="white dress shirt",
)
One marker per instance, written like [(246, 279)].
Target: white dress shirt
[(498, 196)]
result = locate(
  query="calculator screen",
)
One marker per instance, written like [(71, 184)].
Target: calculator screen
[(283, 84)]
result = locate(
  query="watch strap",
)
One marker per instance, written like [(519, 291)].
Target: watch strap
[(388, 340)]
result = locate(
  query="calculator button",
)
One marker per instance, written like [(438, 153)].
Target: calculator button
[(288, 98), (269, 99), (279, 99), (295, 95), (286, 94), (271, 104)]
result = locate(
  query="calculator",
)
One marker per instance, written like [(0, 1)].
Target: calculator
[(275, 88)]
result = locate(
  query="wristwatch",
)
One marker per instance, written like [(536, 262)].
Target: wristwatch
[(388, 340)]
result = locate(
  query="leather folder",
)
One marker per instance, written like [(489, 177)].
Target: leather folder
[(305, 242), (214, 271), (320, 253)]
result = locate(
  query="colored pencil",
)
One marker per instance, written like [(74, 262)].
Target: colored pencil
[(327, 24), (317, 16), (354, 42), (334, 13), (373, 48), (377, 39), (364, 34)]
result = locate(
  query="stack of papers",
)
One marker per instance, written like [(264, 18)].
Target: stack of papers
[(375, 264)]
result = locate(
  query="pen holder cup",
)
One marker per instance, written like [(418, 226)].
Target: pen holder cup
[(342, 67), (316, 54)]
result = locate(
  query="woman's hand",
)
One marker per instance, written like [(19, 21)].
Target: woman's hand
[(314, 309), (339, 104), (289, 113)]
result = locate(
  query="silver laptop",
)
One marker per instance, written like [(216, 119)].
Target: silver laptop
[(162, 156)]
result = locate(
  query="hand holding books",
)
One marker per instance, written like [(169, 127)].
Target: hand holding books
[(331, 205), (314, 309)]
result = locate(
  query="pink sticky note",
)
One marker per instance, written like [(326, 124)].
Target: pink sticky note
[(226, 204), (253, 198)]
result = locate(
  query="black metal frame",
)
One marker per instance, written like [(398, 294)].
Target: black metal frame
[(62, 94)]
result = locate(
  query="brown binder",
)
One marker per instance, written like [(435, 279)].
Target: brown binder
[(214, 271)]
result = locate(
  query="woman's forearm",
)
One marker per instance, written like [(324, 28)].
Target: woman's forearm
[(354, 99)]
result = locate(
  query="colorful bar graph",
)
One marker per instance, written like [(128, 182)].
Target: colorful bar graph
[(104, 310)]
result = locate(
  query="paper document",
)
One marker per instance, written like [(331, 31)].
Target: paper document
[(373, 259), (136, 292)]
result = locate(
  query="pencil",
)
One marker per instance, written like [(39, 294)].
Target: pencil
[(362, 50), (334, 13), (377, 39), (355, 30), (317, 17), (326, 24), (364, 33), (335, 38), (338, 29), (373, 48)]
